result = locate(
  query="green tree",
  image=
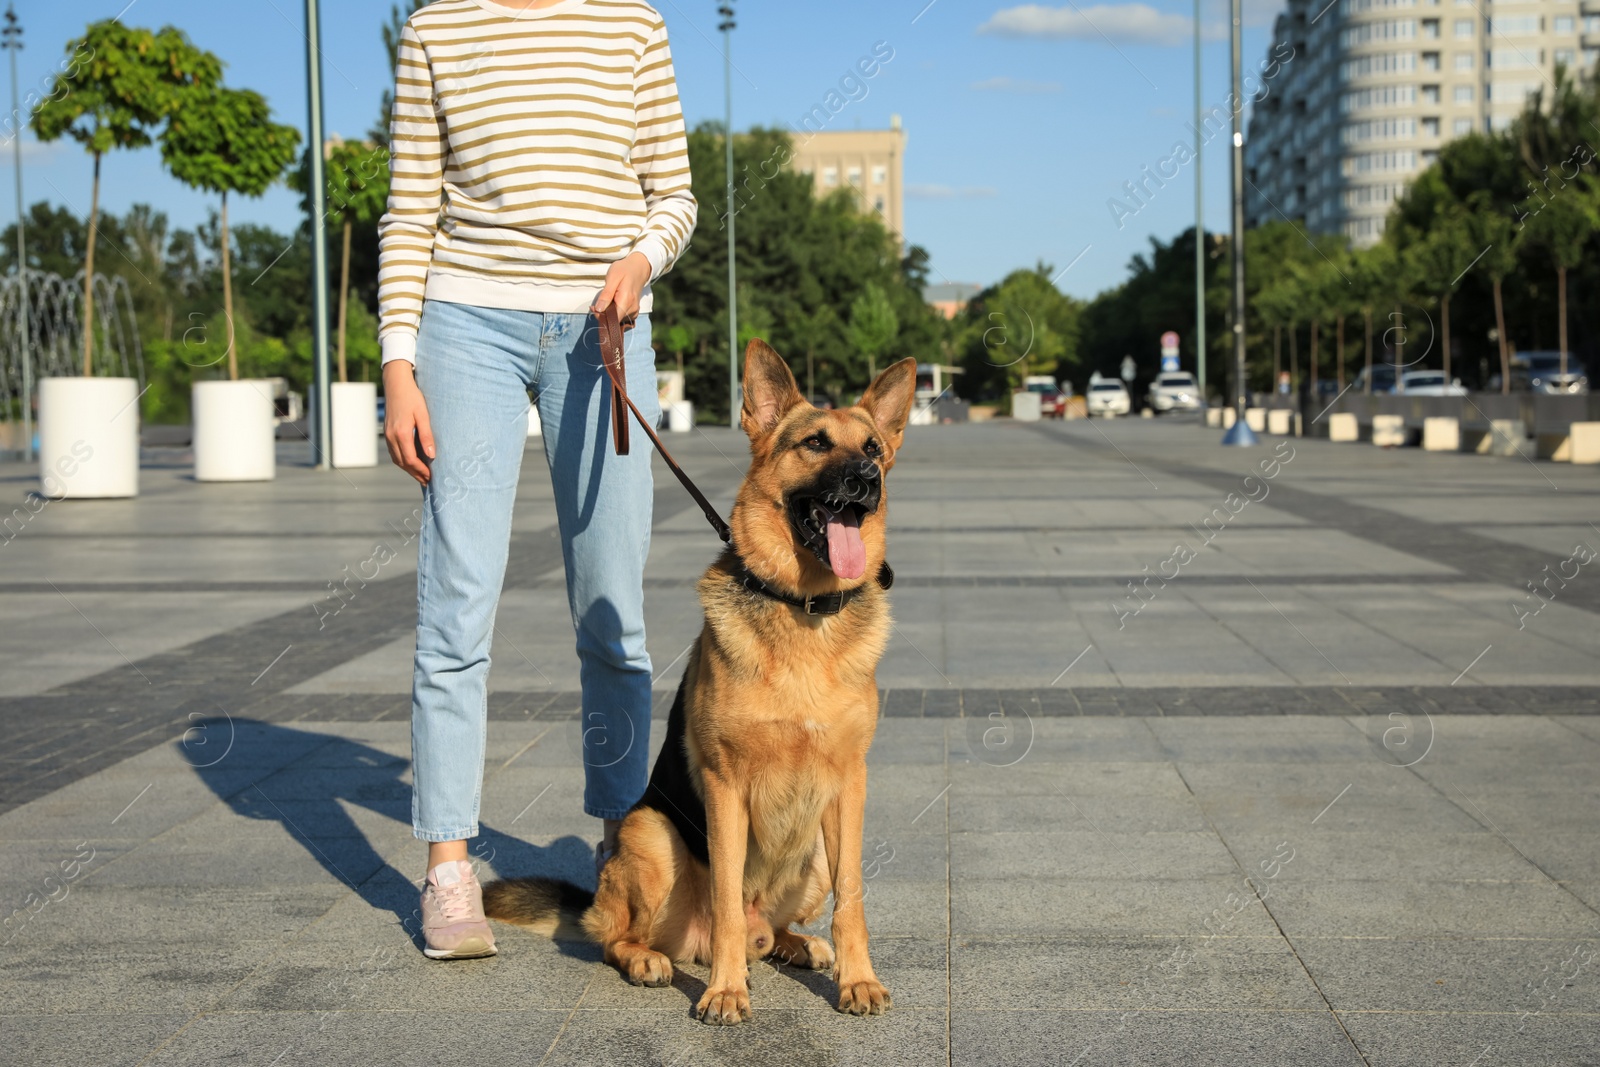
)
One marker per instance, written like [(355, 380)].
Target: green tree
[(1438, 262), (873, 325), (1024, 325), (1374, 281), (796, 255), (224, 140), (1492, 229), (120, 86), (357, 179), (1563, 227)]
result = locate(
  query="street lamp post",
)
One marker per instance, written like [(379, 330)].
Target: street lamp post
[(1199, 224), (727, 26), (321, 416), (1239, 433), (12, 42)]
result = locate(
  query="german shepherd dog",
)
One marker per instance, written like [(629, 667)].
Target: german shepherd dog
[(754, 808)]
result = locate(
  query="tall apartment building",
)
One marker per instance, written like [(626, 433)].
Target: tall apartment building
[(1377, 86), (870, 163)]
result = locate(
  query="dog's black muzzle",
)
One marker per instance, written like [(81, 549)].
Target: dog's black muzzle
[(855, 485)]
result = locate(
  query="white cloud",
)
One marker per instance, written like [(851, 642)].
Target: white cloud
[(33, 151), (1015, 85), (1118, 23), (950, 192)]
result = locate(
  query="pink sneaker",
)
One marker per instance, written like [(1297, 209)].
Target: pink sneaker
[(453, 926)]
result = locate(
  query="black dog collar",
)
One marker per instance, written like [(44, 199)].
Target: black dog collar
[(817, 604)]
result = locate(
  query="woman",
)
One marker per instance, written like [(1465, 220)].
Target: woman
[(539, 172)]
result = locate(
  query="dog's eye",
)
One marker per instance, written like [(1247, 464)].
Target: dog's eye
[(872, 448), (817, 443)]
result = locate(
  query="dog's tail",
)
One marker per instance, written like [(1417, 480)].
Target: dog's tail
[(546, 905)]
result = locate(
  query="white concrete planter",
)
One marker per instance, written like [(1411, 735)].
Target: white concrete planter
[(234, 431), (1025, 407), (88, 437), (355, 424), (680, 416)]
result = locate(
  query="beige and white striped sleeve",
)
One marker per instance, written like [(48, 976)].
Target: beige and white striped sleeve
[(661, 157), (416, 190)]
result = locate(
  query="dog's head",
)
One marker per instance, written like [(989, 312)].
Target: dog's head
[(812, 509)]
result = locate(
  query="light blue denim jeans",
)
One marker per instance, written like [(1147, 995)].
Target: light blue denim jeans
[(475, 367)]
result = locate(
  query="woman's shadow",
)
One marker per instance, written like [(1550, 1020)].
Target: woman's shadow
[(308, 793)]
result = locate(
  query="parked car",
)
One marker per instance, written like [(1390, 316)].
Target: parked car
[(1540, 372), (1173, 391), (1430, 383), (1109, 397), (1052, 401), (1383, 379)]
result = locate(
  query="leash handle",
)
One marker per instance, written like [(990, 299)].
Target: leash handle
[(611, 346)]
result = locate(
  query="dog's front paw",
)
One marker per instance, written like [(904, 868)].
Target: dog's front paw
[(724, 1005), (864, 998), (650, 968)]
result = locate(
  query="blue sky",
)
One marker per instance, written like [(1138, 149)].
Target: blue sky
[(1022, 120)]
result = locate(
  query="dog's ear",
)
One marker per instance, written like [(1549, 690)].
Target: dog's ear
[(888, 399), (769, 389)]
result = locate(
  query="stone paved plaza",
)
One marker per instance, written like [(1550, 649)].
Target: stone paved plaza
[(1322, 787)]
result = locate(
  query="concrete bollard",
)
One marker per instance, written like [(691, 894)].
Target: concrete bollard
[(1256, 419), (1229, 417), (1503, 437), (1342, 426), (1585, 442), (1214, 418), (1388, 431), (1440, 433), (1278, 421)]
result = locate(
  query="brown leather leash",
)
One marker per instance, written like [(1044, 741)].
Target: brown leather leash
[(611, 346)]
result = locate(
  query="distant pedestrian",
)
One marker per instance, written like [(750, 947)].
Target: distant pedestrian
[(539, 172)]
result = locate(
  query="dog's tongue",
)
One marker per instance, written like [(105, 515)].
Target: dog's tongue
[(846, 554)]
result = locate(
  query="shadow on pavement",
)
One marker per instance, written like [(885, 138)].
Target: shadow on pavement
[(308, 800)]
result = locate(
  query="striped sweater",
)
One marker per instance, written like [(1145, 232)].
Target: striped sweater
[(530, 150)]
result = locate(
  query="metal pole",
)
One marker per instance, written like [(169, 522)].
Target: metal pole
[(1239, 433), (13, 44), (321, 416), (1199, 223), (727, 26)]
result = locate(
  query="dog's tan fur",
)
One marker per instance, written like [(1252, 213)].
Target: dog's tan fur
[(779, 710)]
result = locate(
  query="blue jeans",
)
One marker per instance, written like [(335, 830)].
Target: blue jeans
[(475, 367)]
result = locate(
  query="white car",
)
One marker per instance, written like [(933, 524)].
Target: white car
[(1174, 391), (1109, 397), (1430, 383)]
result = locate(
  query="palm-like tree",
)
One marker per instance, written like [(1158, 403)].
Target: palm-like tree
[(1437, 262), (1492, 229), (1563, 227)]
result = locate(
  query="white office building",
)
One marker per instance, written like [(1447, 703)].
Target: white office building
[(1375, 87)]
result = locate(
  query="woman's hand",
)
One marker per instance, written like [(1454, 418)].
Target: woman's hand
[(625, 281), (405, 420)]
